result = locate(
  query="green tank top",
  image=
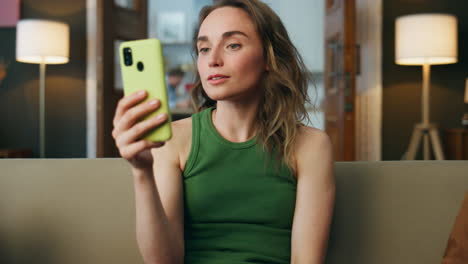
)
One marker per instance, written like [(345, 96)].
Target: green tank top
[(239, 206)]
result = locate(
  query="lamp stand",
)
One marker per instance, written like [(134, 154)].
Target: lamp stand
[(425, 129), (42, 69)]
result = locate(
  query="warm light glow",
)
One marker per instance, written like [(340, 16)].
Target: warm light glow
[(466, 91), (426, 39), (42, 41)]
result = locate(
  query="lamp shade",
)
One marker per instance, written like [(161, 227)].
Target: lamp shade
[(42, 41), (426, 39)]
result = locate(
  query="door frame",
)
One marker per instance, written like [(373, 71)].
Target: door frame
[(369, 80), (96, 126), (94, 40)]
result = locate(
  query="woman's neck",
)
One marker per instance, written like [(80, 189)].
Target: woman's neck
[(235, 122)]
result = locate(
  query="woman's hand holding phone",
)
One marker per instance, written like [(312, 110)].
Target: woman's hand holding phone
[(129, 127)]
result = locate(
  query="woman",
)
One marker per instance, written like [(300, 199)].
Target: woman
[(242, 180)]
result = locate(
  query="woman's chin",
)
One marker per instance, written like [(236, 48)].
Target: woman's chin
[(242, 96), (219, 95)]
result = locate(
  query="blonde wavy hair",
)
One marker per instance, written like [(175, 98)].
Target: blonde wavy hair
[(282, 109)]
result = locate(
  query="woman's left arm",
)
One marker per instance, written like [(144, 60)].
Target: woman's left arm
[(315, 197)]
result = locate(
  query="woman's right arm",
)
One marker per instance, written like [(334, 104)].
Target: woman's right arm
[(159, 214)]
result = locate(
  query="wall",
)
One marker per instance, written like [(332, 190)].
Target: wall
[(402, 85), (176, 54), (65, 108), (304, 22)]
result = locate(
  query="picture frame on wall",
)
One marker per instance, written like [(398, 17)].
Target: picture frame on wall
[(126, 4), (171, 27), (9, 13)]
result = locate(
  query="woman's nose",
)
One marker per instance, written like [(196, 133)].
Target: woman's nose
[(216, 59)]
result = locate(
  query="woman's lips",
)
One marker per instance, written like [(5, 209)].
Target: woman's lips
[(217, 79)]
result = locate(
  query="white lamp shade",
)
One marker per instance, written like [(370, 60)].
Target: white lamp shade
[(42, 41), (426, 39)]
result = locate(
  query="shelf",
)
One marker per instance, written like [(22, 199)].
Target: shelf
[(181, 111), (177, 44)]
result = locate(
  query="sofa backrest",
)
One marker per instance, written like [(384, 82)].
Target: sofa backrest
[(82, 211), (395, 211), (67, 211)]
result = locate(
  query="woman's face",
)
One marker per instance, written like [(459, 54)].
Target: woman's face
[(230, 55)]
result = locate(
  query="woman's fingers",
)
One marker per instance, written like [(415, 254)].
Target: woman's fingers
[(131, 135), (130, 151), (128, 129), (136, 113), (126, 103)]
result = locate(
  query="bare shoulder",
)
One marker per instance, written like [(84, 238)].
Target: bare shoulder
[(313, 148), (177, 148), (311, 137), (181, 130)]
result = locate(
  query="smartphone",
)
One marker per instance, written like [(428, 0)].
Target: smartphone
[(142, 67)]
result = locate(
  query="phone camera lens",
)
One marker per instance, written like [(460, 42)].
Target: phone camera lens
[(127, 55), (140, 66)]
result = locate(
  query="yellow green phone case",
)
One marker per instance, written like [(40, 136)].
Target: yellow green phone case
[(142, 67)]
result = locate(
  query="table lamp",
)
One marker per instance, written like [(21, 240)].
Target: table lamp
[(42, 42), (425, 39)]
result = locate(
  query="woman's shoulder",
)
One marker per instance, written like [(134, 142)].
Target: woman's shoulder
[(311, 139), (182, 139), (181, 131), (182, 123), (313, 149), (176, 147), (307, 133)]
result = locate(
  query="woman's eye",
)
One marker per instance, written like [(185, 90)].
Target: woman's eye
[(234, 46), (203, 50)]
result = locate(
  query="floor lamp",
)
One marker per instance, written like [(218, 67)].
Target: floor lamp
[(42, 42), (425, 39)]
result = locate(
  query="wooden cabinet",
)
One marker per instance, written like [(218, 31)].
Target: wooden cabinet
[(456, 143), (15, 153)]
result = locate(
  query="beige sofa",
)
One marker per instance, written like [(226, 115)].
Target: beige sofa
[(72, 211)]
